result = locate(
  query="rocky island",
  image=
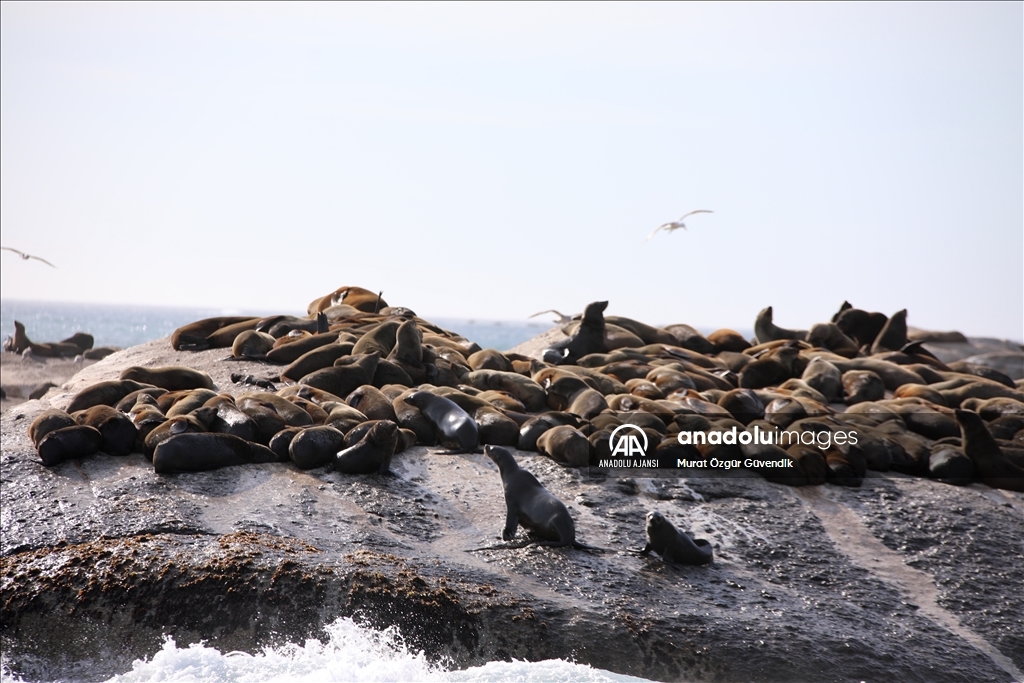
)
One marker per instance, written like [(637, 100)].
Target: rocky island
[(894, 576)]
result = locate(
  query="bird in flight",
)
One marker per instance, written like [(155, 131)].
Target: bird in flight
[(675, 225), (562, 318), (26, 257)]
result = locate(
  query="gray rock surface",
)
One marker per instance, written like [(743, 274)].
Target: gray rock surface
[(901, 579)]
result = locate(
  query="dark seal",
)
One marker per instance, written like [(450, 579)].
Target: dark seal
[(455, 427), (674, 547), (531, 505)]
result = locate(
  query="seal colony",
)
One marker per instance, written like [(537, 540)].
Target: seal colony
[(357, 381)]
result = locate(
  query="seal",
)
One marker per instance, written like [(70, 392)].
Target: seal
[(372, 403), (589, 338), (993, 467), (171, 378), (859, 325), (565, 445), (492, 425), (281, 441), (196, 336), (21, 342), (454, 426), (382, 339), (317, 358), (357, 297), (893, 335), (372, 453), (345, 376), (107, 392), (69, 443), (862, 385), (48, 421), (252, 344), (825, 378), (765, 330), (531, 505), (675, 547), (118, 430), (315, 446), (288, 349), (201, 452), (530, 393)]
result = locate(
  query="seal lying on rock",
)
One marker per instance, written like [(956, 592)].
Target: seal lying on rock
[(532, 506), (675, 547)]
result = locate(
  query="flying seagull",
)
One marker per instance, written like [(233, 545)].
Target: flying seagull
[(562, 318), (675, 225), (26, 257)]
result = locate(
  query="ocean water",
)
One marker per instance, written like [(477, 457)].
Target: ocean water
[(350, 653), (124, 326)]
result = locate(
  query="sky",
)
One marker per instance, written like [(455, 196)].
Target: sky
[(488, 161)]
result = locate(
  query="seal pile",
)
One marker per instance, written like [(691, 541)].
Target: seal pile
[(78, 344), (360, 380)]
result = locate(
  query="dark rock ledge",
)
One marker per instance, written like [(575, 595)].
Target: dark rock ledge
[(901, 579)]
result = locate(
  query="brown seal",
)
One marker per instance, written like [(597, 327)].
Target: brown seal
[(565, 445), (48, 421), (315, 446), (21, 343), (202, 452), (357, 297), (117, 429), (171, 378), (107, 392), (765, 330), (372, 453), (994, 468), (68, 443), (211, 333)]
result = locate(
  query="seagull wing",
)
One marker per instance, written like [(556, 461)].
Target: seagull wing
[(37, 258), (693, 212), (543, 312), (660, 227), (19, 253)]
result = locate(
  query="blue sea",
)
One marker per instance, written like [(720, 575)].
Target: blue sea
[(128, 325)]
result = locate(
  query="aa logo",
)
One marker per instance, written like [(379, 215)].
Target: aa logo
[(626, 443)]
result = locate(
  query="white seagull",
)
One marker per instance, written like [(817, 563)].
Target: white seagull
[(26, 257), (675, 225), (562, 318)]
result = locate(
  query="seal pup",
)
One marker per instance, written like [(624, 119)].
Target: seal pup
[(531, 505), (674, 547), (454, 426)]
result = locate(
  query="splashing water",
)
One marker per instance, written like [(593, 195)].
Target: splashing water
[(350, 653)]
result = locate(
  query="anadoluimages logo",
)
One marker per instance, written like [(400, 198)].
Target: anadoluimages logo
[(627, 444)]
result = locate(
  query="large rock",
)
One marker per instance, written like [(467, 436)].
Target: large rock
[(901, 579)]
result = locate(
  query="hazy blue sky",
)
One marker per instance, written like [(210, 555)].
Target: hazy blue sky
[(493, 160)]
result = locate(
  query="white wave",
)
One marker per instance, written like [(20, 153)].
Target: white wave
[(350, 653)]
